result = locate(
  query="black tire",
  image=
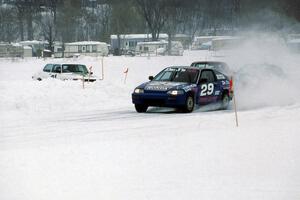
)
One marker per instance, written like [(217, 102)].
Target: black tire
[(140, 108), (39, 79), (189, 104), (225, 102)]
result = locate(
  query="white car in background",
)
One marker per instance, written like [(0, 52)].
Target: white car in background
[(65, 72)]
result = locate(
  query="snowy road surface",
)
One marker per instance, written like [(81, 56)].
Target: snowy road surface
[(58, 141)]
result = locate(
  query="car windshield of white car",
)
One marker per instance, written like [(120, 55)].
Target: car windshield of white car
[(48, 68), (75, 69), (178, 75)]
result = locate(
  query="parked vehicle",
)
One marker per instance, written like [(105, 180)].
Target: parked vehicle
[(65, 72), (183, 88)]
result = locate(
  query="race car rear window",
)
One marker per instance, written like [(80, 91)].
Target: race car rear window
[(209, 75), (221, 67)]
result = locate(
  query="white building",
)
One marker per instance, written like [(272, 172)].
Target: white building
[(37, 47), (88, 48), (27, 51), (124, 43), (225, 43), (11, 50), (159, 48), (294, 45), (199, 41)]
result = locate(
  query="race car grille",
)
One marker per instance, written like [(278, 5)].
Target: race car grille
[(156, 88), (154, 102), (154, 91)]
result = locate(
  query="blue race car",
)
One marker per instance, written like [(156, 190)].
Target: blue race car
[(183, 88)]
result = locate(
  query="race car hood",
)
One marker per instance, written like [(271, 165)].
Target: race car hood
[(163, 86)]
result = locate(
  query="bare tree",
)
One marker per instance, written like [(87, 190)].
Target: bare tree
[(48, 28), (8, 28), (195, 18), (69, 13), (154, 15), (174, 14), (103, 15), (292, 8)]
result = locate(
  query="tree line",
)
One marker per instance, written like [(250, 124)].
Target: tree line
[(78, 20)]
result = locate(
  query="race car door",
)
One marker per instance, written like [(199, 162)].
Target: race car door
[(207, 87)]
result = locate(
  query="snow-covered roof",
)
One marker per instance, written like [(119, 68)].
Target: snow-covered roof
[(16, 44), (294, 41), (181, 36), (207, 43), (294, 36), (32, 42), (226, 38), (138, 36), (10, 44), (152, 43), (200, 37), (85, 43), (27, 47)]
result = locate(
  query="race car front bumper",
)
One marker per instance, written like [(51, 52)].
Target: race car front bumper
[(159, 99)]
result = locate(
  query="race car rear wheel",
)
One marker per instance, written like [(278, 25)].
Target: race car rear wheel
[(225, 101), (140, 108), (189, 104)]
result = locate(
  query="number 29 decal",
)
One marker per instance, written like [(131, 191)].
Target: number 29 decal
[(207, 89)]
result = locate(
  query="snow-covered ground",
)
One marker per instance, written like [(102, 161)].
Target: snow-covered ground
[(59, 141)]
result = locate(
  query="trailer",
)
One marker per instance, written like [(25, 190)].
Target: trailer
[(159, 48), (37, 47), (199, 41), (11, 50), (225, 43), (126, 43), (87, 48), (294, 45)]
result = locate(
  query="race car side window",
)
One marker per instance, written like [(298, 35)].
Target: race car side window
[(209, 75), (48, 68)]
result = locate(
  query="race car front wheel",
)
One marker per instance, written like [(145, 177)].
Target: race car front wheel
[(189, 104), (140, 108)]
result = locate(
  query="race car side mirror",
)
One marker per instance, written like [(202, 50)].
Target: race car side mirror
[(151, 78), (203, 80)]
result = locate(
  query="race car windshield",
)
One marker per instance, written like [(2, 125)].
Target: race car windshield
[(178, 75)]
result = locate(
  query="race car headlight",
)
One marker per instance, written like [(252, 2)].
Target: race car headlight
[(138, 91), (175, 92)]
